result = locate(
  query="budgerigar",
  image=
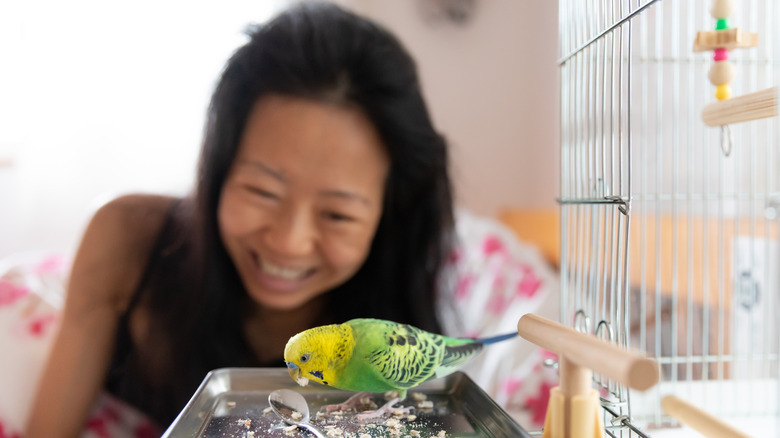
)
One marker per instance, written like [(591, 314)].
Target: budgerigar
[(373, 355)]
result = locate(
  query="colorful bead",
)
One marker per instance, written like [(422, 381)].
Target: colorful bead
[(722, 92), (720, 55), (721, 73), (721, 8)]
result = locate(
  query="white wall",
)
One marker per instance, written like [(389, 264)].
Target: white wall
[(492, 85), (98, 99)]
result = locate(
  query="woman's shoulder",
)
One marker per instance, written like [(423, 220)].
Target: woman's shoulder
[(137, 206), (116, 246), (132, 221)]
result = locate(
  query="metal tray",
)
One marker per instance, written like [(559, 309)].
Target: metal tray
[(228, 397)]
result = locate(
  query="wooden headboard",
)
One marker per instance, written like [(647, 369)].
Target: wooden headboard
[(538, 227), (669, 239)]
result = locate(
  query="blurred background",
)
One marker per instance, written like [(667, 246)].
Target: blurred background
[(103, 98)]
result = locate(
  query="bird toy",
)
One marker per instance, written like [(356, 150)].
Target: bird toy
[(721, 42)]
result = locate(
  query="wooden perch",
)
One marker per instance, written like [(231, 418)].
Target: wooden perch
[(573, 410), (724, 39), (697, 419), (627, 367), (758, 105)]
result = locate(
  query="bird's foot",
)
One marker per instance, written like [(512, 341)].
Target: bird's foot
[(389, 408), (357, 402)]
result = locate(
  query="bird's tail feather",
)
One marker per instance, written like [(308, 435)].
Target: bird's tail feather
[(495, 339)]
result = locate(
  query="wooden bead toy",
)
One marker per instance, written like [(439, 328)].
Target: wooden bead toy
[(752, 106), (721, 73), (721, 8)]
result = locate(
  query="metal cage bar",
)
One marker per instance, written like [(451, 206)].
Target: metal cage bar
[(668, 244)]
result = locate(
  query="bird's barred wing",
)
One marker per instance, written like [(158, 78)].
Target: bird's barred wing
[(405, 355), (456, 354)]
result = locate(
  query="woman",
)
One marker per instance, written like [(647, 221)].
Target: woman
[(322, 195)]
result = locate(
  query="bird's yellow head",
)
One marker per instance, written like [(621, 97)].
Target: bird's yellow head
[(319, 354)]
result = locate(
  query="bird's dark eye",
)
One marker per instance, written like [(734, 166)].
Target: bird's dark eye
[(304, 358)]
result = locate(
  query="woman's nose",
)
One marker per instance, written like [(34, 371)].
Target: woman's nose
[(292, 234)]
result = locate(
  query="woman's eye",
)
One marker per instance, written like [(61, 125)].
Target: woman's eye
[(338, 217), (262, 193)]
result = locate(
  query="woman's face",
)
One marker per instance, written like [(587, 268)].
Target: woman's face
[(303, 198)]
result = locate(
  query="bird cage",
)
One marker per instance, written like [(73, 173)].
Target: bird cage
[(670, 242)]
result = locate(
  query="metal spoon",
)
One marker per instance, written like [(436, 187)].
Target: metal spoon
[(286, 402)]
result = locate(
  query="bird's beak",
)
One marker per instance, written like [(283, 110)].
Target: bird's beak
[(296, 374)]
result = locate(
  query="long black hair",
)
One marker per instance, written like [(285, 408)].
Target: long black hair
[(317, 51), (320, 51)]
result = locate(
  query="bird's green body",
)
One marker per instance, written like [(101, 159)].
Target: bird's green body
[(372, 355)]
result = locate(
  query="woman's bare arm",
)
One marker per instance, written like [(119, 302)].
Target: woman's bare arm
[(105, 272)]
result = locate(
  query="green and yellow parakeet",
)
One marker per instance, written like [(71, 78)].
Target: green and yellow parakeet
[(373, 355)]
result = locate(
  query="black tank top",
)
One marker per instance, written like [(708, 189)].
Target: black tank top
[(126, 376)]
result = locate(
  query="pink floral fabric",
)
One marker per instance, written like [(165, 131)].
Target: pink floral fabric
[(492, 279), (31, 294)]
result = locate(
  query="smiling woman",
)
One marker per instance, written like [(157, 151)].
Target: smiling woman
[(302, 202), (322, 195)]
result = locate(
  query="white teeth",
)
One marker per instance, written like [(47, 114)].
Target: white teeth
[(276, 271)]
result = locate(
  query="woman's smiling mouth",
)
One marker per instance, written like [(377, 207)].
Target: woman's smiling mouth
[(280, 277), (285, 273)]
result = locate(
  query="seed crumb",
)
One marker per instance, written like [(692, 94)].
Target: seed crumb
[(425, 404), (389, 395), (333, 431), (419, 396)]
